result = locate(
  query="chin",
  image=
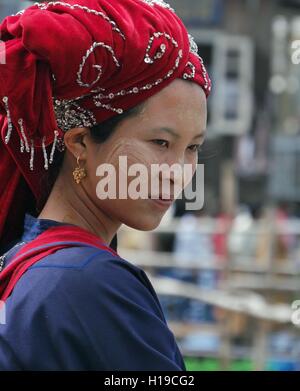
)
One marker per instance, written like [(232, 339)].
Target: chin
[(144, 224)]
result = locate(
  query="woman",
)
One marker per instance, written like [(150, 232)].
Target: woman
[(86, 83)]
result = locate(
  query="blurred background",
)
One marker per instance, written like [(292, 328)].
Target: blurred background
[(228, 276)]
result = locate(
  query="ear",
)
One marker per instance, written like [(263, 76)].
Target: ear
[(76, 141)]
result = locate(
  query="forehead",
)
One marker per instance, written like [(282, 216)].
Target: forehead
[(179, 101), (178, 90)]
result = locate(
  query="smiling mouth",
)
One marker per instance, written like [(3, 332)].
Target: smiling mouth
[(161, 202), (162, 198)]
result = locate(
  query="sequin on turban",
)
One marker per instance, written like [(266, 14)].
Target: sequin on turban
[(78, 63)]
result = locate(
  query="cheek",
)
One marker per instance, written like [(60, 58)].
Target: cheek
[(190, 169), (134, 150), (194, 165), (193, 160), (122, 153)]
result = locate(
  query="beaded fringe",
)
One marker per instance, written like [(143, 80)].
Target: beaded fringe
[(30, 147)]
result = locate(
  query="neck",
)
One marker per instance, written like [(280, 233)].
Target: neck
[(70, 203)]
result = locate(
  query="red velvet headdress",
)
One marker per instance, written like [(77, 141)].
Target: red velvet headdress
[(78, 63)]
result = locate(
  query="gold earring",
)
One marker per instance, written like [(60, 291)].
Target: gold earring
[(79, 173)]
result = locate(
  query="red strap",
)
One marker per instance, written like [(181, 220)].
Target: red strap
[(48, 242)]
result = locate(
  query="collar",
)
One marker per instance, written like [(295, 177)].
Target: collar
[(34, 226)]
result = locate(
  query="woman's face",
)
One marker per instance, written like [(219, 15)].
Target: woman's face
[(169, 130)]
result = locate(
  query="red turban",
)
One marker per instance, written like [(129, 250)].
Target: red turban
[(78, 63)]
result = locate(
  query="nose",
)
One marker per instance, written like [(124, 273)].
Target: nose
[(173, 172)]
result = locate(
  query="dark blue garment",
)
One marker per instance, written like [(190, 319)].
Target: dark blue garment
[(83, 308)]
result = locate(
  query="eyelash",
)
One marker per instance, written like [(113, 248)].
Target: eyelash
[(196, 147), (159, 141)]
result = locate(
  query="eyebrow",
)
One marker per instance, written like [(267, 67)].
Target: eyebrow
[(175, 134)]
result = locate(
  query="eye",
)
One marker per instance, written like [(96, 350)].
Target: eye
[(195, 148), (162, 143)]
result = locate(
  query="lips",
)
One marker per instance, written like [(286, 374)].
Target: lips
[(162, 202), (163, 197)]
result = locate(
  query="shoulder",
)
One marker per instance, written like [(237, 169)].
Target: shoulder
[(86, 273), (109, 280), (88, 263), (101, 310)]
